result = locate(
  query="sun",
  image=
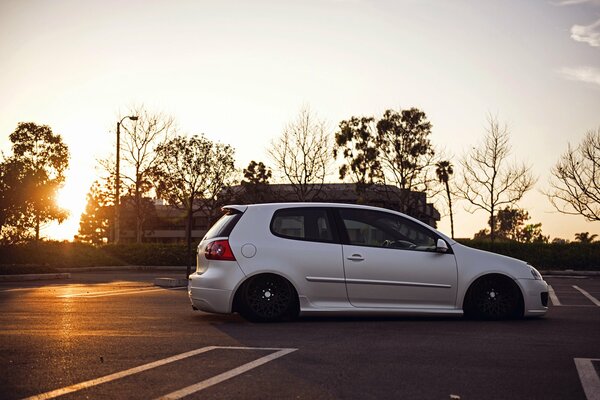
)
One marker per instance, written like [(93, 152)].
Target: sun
[(72, 199)]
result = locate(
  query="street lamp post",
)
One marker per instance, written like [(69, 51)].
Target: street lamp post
[(118, 179)]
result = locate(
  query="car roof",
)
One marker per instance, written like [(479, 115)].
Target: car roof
[(275, 206)]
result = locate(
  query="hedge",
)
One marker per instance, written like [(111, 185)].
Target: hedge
[(65, 254), (577, 256)]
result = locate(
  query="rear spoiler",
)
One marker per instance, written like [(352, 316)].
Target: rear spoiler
[(234, 209)]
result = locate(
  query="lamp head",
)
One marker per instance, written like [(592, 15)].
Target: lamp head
[(133, 118)]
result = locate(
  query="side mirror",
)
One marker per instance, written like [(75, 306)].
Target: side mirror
[(441, 246)]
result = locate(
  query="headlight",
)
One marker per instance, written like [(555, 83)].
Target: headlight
[(536, 274)]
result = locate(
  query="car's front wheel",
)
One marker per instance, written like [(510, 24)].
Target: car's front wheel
[(493, 298), (267, 298)]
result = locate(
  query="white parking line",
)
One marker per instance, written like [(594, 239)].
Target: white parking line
[(118, 375), (588, 377), (178, 394), (553, 297), (589, 296)]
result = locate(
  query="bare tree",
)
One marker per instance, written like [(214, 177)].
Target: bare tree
[(302, 154), (489, 181), (138, 142), (575, 181)]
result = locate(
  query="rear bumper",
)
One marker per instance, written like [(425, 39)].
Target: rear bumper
[(534, 294), (213, 290), (211, 300)]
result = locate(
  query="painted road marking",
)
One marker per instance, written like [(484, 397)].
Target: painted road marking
[(589, 296), (117, 292), (178, 394), (553, 297), (588, 377), (122, 374)]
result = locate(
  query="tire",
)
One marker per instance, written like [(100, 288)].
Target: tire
[(494, 298), (268, 298)]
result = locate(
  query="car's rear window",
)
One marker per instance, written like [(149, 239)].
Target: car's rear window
[(224, 226)]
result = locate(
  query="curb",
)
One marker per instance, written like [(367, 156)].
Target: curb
[(33, 277), (170, 282), (126, 268)]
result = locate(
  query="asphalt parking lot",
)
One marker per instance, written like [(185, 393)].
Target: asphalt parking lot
[(114, 335)]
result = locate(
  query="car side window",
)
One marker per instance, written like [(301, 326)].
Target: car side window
[(380, 229), (303, 224)]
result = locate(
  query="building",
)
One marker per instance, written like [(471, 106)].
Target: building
[(166, 223)]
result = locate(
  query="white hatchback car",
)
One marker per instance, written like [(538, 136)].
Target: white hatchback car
[(275, 261)]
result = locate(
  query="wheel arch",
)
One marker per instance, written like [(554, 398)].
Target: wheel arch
[(497, 275), (238, 289)]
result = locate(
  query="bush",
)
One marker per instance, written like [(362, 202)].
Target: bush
[(147, 253), (56, 254), (66, 254), (577, 256)]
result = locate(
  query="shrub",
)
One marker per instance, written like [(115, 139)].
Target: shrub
[(65, 254), (577, 256)]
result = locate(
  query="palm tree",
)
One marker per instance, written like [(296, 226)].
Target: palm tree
[(443, 171), (585, 237)]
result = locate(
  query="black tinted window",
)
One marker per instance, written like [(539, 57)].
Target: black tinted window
[(303, 224), (379, 229), (224, 226)]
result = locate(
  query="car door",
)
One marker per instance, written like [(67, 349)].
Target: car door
[(391, 261), (306, 247)]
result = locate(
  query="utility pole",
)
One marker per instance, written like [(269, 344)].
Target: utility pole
[(118, 180)]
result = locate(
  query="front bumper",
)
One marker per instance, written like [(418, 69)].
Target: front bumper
[(534, 294)]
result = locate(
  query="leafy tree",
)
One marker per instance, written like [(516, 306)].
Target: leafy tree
[(488, 181), (256, 183), (138, 141), (575, 182), (532, 233), (444, 170), (31, 177), (509, 222), (16, 221), (256, 173), (585, 237), (190, 174), (406, 153), (301, 154), (95, 221), (356, 142), (510, 225)]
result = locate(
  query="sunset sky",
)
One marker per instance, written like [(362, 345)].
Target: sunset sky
[(238, 71)]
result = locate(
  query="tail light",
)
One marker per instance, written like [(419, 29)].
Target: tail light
[(219, 250)]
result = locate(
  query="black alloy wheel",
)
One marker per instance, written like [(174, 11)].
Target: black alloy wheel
[(494, 298), (267, 298)]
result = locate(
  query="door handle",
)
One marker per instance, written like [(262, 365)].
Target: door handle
[(356, 257)]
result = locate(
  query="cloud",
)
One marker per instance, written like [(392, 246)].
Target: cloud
[(589, 34), (582, 74)]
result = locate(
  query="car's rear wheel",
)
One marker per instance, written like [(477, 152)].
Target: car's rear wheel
[(494, 297), (267, 298)]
